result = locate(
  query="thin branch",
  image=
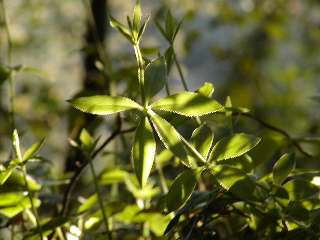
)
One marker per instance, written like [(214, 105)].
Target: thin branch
[(74, 180), (294, 142)]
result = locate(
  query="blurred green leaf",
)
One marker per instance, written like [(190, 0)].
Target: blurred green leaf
[(201, 139), (121, 28), (206, 89), (23, 204), (31, 151), (113, 175)]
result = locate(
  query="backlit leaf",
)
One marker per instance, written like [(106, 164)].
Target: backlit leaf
[(283, 167), (234, 146), (143, 151), (104, 105), (31, 151), (121, 28), (206, 89), (181, 189), (170, 137), (188, 104), (155, 77), (234, 180)]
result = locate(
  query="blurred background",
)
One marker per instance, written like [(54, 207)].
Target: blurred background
[(264, 54)]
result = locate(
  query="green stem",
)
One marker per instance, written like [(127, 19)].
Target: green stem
[(34, 210), (140, 63), (164, 185), (97, 188), (9, 61), (184, 83)]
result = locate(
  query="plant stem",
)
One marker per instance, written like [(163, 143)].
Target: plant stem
[(140, 63), (184, 83), (34, 210), (97, 188), (9, 61)]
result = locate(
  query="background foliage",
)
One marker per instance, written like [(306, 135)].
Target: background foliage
[(261, 57)]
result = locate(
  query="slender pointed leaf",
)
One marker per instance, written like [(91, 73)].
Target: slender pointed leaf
[(283, 167), (104, 105), (188, 104), (121, 28), (181, 189), (170, 137), (143, 151), (234, 146), (155, 77)]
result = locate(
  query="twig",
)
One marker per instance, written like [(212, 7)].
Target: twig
[(74, 180), (275, 129)]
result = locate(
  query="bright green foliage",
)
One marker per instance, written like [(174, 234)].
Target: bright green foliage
[(283, 167), (234, 146), (103, 105), (206, 89), (143, 151), (181, 189), (188, 104), (34, 149)]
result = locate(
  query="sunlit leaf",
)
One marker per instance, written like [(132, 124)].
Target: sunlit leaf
[(23, 204), (206, 89), (121, 28), (188, 104), (16, 145), (87, 142), (234, 146), (113, 175), (143, 150), (104, 105), (137, 16), (283, 167), (181, 189)]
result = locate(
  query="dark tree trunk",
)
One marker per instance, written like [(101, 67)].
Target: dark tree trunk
[(95, 81)]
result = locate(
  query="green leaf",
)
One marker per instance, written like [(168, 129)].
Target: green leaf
[(88, 203), (31, 151), (181, 189), (170, 137), (234, 180), (87, 142), (155, 77), (143, 151), (283, 167), (121, 28), (143, 28), (201, 139), (206, 89), (189, 104), (11, 198), (301, 189), (113, 175), (104, 105), (136, 16), (234, 146), (18, 208)]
